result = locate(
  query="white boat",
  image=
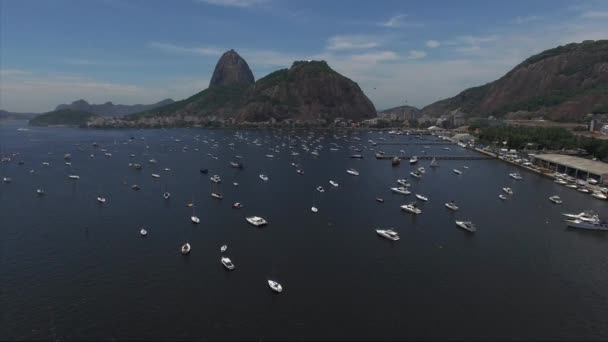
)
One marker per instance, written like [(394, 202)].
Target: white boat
[(555, 199), (452, 206), (185, 248), (166, 195), (502, 197), (334, 184), (223, 248), (416, 174), (508, 191), (74, 177), (217, 195), (300, 171), (276, 287), (467, 225), (411, 208), (314, 209), (155, 175), (6, 180), (580, 224), (403, 182), (560, 181), (587, 216), (227, 263), (389, 234), (237, 205), (434, 163), (413, 160), (515, 175), (320, 189), (592, 181), (143, 232), (422, 197), (264, 177), (352, 172), (571, 186), (599, 195), (101, 199), (401, 190), (216, 179), (421, 169), (583, 190), (256, 221), (195, 219), (458, 172)]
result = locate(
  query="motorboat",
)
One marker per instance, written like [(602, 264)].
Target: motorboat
[(571, 186), (599, 195), (583, 190), (356, 156), (458, 172), (6, 180), (320, 189), (467, 225), (101, 199), (264, 177), (300, 171), (401, 190), (395, 161), (215, 179), (515, 175), (256, 221), (421, 169), (204, 171), (403, 182), (237, 205), (314, 209), (451, 205), (217, 195), (155, 175), (223, 248), (227, 263), (560, 181), (185, 248), (411, 208), (555, 199), (352, 172), (195, 219), (592, 181), (587, 216), (508, 191), (276, 287), (40, 192), (166, 195), (413, 160), (378, 199), (334, 184), (502, 197), (75, 177), (580, 224), (135, 187), (416, 174), (143, 232), (237, 165), (235, 184), (388, 233), (422, 197)]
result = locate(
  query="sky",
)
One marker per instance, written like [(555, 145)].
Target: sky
[(399, 52)]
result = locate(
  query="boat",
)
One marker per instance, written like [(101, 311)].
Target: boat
[(458, 172), (434, 163), (276, 287), (421, 169), (166, 195), (215, 179), (403, 182), (467, 225), (235, 184), (334, 184), (185, 248), (320, 189), (237, 165), (356, 156), (217, 195), (580, 224), (508, 191), (237, 205), (256, 221), (502, 197), (592, 181), (204, 171), (101, 199), (416, 174), (71, 177), (413, 160), (587, 216), (583, 190), (195, 219), (227, 263), (40, 192), (401, 190), (143, 232), (352, 172), (395, 161), (223, 248), (560, 181), (555, 199), (314, 209), (264, 177), (599, 195), (381, 200), (451, 205), (155, 175), (422, 197), (515, 175), (300, 171), (135, 187), (388, 233), (6, 180), (411, 208)]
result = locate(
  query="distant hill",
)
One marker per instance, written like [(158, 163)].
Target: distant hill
[(308, 91), (400, 113), (562, 84), (6, 115), (62, 117), (110, 109)]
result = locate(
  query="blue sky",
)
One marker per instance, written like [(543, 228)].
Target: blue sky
[(141, 51)]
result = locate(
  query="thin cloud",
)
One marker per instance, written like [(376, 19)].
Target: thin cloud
[(394, 21), (595, 14), (234, 3), (181, 50), (432, 44), (416, 54), (350, 43), (526, 19)]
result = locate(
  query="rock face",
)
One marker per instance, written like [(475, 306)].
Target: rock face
[(231, 70), (110, 109), (563, 84)]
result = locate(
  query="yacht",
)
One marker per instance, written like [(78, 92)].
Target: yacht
[(155, 175), (380, 200), (264, 177), (71, 177), (587, 216), (227, 263), (451, 205), (256, 221), (458, 172), (413, 160), (356, 156), (217, 195), (592, 181), (467, 225), (216, 179), (300, 171), (571, 186), (6, 180), (40, 192), (401, 190), (411, 208), (583, 190), (508, 191), (422, 197), (334, 184), (416, 174), (555, 199), (237, 205), (276, 287), (352, 172), (599, 195), (185, 248), (421, 169), (195, 219), (166, 195), (403, 182), (560, 181), (320, 189), (101, 199), (389, 234), (223, 248), (143, 232), (587, 225), (515, 175), (236, 165), (314, 209)]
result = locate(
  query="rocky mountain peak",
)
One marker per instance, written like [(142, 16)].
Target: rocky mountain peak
[(231, 70)]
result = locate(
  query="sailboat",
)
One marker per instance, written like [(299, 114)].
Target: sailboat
[(434, 163)]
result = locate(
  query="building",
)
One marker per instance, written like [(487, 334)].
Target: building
[(573, 166)]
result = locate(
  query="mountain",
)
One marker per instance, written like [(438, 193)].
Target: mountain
[(231, 70), (110, 109), (563, 84), (62, 117), (307, 91), (6, 115)]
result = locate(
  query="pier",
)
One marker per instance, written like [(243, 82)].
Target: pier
[(415, 143), (480, 157)]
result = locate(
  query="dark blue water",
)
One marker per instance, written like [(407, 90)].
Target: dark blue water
[(73, 269)]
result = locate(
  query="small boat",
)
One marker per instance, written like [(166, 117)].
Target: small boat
[(166, 195), (356, 156), (40, 192), (101, 199), (389, 234), (599, 195), (380, 200), (223, 248), (6, 180), (580, 224), (185, 248), (217, 195), (143, 232), (264, 177), (227, 263), (314, 209), (458, 172), (411, 208), (74, 177), (555, 199), (300, 172), (216, 179), (434, 163), (195, 219), (320, 189), (256, 221), (270, 156), (204, 171), (352, 172), (583, 190), (416, 174), (237, 205), (334, 184), (502, 197), (452, 206), (571, 186), (235, 184), (276, 287), (135, 187), (153, 161), (237, 165), (395, 161), (467, 225), (508, 191), (421, 169), (592, 181), (588, 216), (422, 197), (560, 181), (401, 190), (155, 175), (413, 160), (516, 176)]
